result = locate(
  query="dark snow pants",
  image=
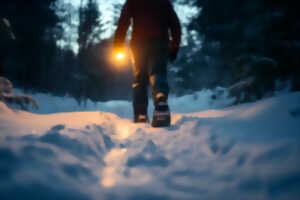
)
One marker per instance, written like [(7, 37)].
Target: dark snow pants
[(150, 59)]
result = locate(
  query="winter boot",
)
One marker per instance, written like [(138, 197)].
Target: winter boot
[(162, 115)]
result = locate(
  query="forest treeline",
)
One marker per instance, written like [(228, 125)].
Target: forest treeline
[(35, 62), (256, 39), (228, 42)]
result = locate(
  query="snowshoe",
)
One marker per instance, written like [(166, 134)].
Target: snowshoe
[(162, 115), (141, 119)]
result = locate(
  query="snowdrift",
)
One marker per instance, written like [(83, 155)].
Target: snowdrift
[(244, 152)]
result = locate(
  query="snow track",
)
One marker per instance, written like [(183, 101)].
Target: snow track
[(245, 152)]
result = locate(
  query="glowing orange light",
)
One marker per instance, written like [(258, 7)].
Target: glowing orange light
[(120, 56)]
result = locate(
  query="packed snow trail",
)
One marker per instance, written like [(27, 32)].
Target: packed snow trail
[(245, 152)]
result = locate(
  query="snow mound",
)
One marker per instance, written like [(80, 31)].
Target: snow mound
[(244, 152)]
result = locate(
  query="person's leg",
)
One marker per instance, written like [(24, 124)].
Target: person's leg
[(158, 78), (140, 83), (158, 71)]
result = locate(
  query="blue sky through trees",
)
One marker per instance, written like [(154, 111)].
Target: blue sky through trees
[(109, 15)]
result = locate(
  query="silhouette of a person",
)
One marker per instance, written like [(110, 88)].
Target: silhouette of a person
[(155, 39)]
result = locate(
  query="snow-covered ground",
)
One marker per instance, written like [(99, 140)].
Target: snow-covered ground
[(244, 152), (190, 103)]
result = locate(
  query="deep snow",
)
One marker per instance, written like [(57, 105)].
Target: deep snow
[(249, 151)]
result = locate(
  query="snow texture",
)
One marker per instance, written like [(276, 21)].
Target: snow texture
[(243, 152)]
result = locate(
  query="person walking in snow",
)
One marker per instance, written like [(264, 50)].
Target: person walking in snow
[(154, 22)]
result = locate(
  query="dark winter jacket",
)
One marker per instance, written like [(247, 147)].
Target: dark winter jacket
[(152, 20)]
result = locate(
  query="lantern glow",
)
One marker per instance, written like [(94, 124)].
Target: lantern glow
[(120, 56)]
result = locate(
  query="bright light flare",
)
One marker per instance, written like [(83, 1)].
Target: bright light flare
[(120, 56)]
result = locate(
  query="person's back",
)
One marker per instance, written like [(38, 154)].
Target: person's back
[(152, 47), (152, 19)]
